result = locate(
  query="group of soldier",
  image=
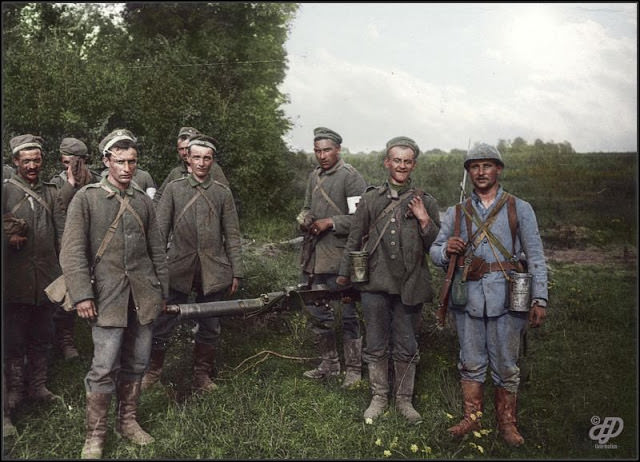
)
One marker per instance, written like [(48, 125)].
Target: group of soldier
[(127, 250)]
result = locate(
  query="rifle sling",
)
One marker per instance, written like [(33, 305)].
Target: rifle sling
[(392, 205), (31, 193)]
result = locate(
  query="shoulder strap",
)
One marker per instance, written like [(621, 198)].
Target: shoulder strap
[(111, 231), (384, 213), (513, 220), (32, 193), (325, 195), (127, 206)]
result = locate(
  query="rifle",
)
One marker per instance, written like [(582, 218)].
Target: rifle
[(463, 183), (445, 291), (286, 299)]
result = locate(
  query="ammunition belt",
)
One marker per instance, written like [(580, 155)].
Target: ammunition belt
[(479, 267)]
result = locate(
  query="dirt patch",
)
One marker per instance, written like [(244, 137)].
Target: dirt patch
[(592, 256)]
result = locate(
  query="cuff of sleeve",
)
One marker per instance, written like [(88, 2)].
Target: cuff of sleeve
[(541, 302)]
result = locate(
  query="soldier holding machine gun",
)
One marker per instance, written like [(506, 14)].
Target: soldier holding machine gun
[(332, 191), (481, 241)]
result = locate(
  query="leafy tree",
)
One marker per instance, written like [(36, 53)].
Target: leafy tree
[(77, 70)]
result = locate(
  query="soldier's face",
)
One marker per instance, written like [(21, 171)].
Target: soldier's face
[(327, 153), (28, 164), (183, 150), (400, 162), (484, 174), (66, 160), (122, 164), (200, 160)]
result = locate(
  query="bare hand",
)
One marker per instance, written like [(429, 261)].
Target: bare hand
[(343, 280), (537, 315), (16, 241), (320, 226), (416, 206), (233, 288), (70, 178), (455, 245), (87, 309)]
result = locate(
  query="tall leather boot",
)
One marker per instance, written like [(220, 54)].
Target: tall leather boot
[(404, 380), (154, 372), (379, 382), (472, 397), (126, 424), (64, 336), (15, 382), (505, 402), (96, 425), (352, 361), (330, 364), (37, 367), (203, 361)]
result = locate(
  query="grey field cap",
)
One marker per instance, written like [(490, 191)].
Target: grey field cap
[(20, 142), (203, 140), (188, 132), (322, 133), (73, 147), (113, 137), (403, 141), (483, 151)]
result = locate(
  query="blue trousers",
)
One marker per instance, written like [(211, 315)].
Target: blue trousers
[(120, 354), (490, 343)]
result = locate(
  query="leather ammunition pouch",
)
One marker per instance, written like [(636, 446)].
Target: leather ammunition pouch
[(478, 267)]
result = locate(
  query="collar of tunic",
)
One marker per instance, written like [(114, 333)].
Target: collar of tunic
[(194, 183)]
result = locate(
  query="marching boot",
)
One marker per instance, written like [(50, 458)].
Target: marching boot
[(330, 364), (126, 424), (505, 402), (203, 361), (352, 361), (379, 381), (96, 425), (15, 382), (404, 379), (152, 375), (37, 366), (64, 336), (472, 396)]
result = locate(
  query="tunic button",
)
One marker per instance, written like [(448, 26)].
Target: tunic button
[(393, 220), (393, 257), (393, 231)]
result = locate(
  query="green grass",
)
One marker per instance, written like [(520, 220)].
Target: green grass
[(582, 363)]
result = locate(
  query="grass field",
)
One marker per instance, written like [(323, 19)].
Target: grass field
[(581, 364)]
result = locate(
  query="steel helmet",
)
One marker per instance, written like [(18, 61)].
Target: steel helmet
[(483, 151)]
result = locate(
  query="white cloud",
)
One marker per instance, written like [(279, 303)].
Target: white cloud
[(554, 76)]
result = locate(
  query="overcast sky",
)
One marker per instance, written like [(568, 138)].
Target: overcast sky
[(447, 74)]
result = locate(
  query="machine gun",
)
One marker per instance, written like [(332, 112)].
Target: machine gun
[(291, 298)]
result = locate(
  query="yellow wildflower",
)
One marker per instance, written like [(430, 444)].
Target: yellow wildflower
[(414, 448), (449, 415), (368, 421), (387, 453), (378, 442), (481, 449), (428, 450), (472, 417)]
